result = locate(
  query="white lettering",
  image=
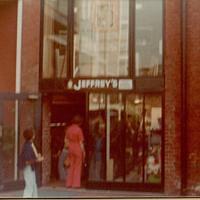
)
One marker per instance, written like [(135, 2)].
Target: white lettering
[(102, 83), (108, 83), (88, 84), (82, 83), (97, 83), (92, 83), (78, 86), (114, 83)]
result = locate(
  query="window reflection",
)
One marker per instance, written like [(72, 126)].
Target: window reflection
[(55, 38), (125, 138), (97, 137), (153, 134), (101, 38), (148, 38), (143, 138), (134, 138), (115, 138)]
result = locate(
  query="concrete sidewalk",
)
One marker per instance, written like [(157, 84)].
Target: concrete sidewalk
[(62, 192)]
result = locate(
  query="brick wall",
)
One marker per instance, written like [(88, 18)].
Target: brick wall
[(172, 61), (172, 96), (8, 31), (30, 45), (46, 140), (193, 67)]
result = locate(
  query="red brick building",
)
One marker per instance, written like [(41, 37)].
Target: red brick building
[(130, 67)]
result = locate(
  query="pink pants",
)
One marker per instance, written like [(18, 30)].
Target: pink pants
[(74, 172)]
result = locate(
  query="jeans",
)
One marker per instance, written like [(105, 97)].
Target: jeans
[(30, 190), (61, 168)]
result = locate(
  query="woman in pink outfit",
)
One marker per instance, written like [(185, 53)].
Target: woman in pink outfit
[(74, 136)]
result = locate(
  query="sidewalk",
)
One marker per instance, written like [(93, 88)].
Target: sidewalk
[(62, 192)]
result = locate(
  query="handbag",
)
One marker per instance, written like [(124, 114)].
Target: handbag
[(67, 162)]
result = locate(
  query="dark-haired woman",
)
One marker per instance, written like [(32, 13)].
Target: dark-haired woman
[(29, 157)]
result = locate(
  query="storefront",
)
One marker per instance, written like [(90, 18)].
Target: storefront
[(104, 61), (128, 67)]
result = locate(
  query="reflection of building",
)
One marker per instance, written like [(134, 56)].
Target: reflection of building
[(146, 143)]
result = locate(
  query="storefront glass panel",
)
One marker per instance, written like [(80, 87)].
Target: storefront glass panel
[(134, 138), (55, 39), (153, 139), (125, 134), (114, 138), (101, 38), (148, 37), (96, 139)]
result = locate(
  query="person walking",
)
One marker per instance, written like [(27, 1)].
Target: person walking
[(61, 168), (28, 158), (76, 152)]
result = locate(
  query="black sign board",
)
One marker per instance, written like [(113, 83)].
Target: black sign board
[(97, 84)]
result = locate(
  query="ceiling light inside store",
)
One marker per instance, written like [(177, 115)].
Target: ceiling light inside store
[(75, 10), (94, 99), (137, 101)]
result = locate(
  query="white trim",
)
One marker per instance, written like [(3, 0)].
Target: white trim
[(19, 47), (108, 137), (18, 79)]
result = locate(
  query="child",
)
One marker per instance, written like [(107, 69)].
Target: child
[(29, 157)]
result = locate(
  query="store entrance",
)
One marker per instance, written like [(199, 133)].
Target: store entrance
[(63, 109)]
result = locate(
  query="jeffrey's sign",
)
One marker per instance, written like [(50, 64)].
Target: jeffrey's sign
[(89, 84)]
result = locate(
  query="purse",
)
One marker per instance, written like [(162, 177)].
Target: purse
[(67, 162)]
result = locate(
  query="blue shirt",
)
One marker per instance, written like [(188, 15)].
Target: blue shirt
[(27, 154)]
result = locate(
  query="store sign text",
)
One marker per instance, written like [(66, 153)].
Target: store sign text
[(99, 84)]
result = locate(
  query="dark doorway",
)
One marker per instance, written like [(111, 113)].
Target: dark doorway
[(63, 108)]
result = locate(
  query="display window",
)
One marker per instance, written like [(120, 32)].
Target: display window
[(84, 39), (125, 138), (55, 31), (148, 38), (101, 38)]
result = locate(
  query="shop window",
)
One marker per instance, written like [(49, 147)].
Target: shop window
[(153, 139), (143, 138), (115, 138), (97, 137), (125, 138), (148, 38), (134, 139), (55, 39), (101, 38)]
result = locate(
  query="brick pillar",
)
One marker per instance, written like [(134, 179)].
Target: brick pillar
[(46, 140), (172, 64), (8, 31), (30, 46), (193, 69)]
